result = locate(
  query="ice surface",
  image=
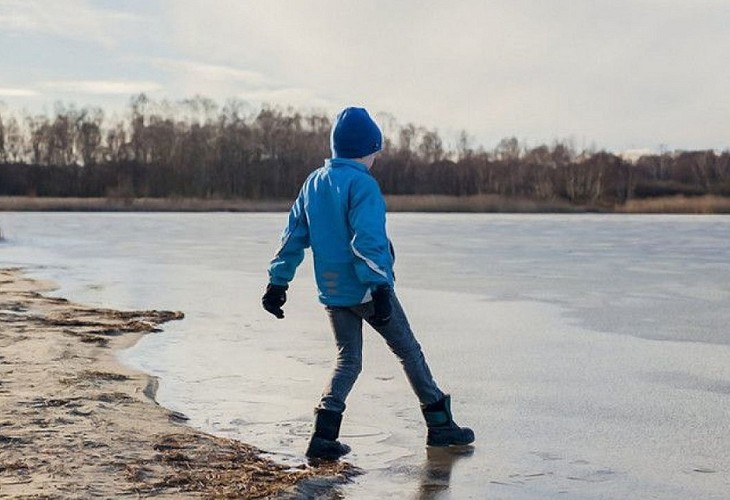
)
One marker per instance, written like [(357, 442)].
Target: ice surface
[(588, 352)]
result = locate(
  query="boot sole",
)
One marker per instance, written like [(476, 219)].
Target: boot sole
[(439, 443), (446, 445)]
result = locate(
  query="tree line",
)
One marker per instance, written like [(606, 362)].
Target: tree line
[(196, 148)]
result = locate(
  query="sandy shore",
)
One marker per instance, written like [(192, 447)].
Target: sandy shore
[(75, 423)]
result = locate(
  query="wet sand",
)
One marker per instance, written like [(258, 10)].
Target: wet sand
[(75, 423)]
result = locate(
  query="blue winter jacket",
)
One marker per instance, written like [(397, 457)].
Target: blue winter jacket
[(340, 213)]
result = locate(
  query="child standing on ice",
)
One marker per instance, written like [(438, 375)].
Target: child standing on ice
[(340, 214)]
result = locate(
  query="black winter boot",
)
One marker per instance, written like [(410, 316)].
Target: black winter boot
[(324, 444), (442, 431)]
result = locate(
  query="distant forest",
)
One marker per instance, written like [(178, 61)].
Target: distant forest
[(197, 149)]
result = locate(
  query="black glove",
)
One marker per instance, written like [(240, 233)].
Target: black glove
[(274, 298), (382, 307)]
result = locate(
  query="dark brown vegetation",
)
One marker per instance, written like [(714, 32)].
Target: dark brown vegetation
[(195, 150)]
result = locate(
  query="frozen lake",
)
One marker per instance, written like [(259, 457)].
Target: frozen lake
[(590, 353)]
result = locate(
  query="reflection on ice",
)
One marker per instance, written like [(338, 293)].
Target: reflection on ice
[(437, 468)]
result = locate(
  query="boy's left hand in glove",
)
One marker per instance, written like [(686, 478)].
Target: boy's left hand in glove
[(382, 308)]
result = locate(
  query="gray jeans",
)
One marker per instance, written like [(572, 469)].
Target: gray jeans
[(347, 326)]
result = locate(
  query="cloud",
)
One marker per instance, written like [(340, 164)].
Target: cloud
[(208, 71), (14, 92), (70, 19), (222, 81), (108, 87)]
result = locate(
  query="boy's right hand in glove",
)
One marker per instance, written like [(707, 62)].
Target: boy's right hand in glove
[(274, 298), (382, 308)]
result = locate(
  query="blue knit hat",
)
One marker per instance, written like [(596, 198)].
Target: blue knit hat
[(355, 134)]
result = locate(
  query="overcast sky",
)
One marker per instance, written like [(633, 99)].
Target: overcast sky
[(619, 74)]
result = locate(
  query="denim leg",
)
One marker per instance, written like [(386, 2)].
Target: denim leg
[(347, 327), (399, 336)]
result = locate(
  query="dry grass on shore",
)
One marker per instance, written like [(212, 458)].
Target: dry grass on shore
[(476, 204), (43, 204), (486, 203), (677, 205), (396, 203)]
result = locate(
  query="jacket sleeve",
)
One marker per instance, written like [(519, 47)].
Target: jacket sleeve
[(294, 239), (370, 245)]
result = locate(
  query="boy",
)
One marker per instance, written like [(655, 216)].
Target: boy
[(340, 213)]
